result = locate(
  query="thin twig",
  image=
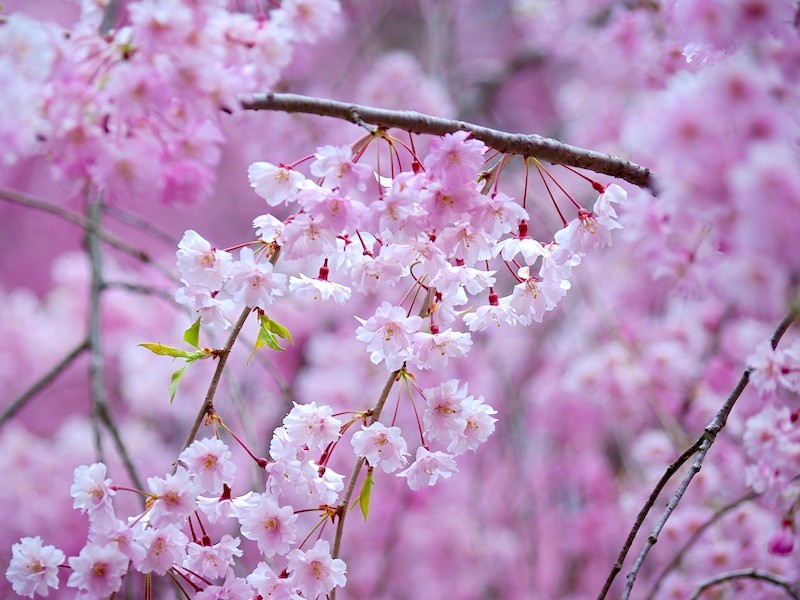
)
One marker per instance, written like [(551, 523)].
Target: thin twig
[(705, 441), (137, 288), (129, 218), (351, 484), (747, 574), (648, 505), (208, 403), (678, 558), (73, 217), (546, 149), (42, 382)]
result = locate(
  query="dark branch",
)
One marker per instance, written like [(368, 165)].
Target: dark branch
[(747, 574), (533, 145)]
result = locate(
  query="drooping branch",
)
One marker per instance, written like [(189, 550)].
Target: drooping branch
[(764, 576), (532, 145), (699, 450)]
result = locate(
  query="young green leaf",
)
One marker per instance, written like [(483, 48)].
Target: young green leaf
[(266, 337), (176, 379), (192, 335), (163, 350), (277, 329), (364, 496)]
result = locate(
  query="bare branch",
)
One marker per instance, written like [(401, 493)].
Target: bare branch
[(702, 446), (73, 217), (765, 576), (678, 558), (42, 382), (533, 145)]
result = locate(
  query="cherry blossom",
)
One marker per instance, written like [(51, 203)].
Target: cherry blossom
[(388, 334), (254, 283), (209, 462), (314, 572), (212, 561), (200, 264), (272, 526), (428, 467), (276, 185), (97, 571), (164, 547), (173, 497), (33, 568), (382, 446)]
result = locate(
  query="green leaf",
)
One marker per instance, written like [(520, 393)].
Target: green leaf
[(364, 496), (277, 329), (163, 350), (192, 335), (176, 379), (266, 337)]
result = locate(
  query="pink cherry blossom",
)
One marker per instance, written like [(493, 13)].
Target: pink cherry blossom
[(311, 425), (200, 264), (164, 547), (382, 446), (443, 410), (388, 334), (433, 350), (209, 462), (455, 159), (314, 572), (272, 526), (275, 184), (233, 588), (212, 561), (428, 467), (33, 568), (254, 283), (173, 497), (91, 490), (97, 571), (334, 164)]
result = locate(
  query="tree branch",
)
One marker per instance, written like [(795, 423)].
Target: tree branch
[(747, 574), (43, 382), (533, 145), (678, 558), (701, 446)]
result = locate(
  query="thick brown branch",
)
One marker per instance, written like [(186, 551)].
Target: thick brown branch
[(543, 148)]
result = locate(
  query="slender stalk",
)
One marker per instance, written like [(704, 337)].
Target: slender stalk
[(546, 149), (208, 403), (351, 484)]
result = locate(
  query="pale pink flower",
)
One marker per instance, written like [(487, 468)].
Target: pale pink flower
[(201, 300), (443, 408), (767, 366), (474, 281), (307, 237), (464, 242), (432, 350), (123, 535), (268, 228), (165, 546), (454, 159), (91, 490), (490, 315), (479, 425), (219, 509), (271, 587), (335, 165), (252, 283), (382, 446), (498, 215), (388, 335), (209, 462), (321, 489), (33, 568), (275, 184), (428, 467), (172, 498), (533, 297), (97, 571), (312, 426), (200, 264), (233, 588), (332, 209), (306, 288), (212, 562), (529, 248), (307, 19), (272, 526), (315, 572)]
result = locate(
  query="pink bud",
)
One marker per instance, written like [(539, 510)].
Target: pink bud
[(782, 542)]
